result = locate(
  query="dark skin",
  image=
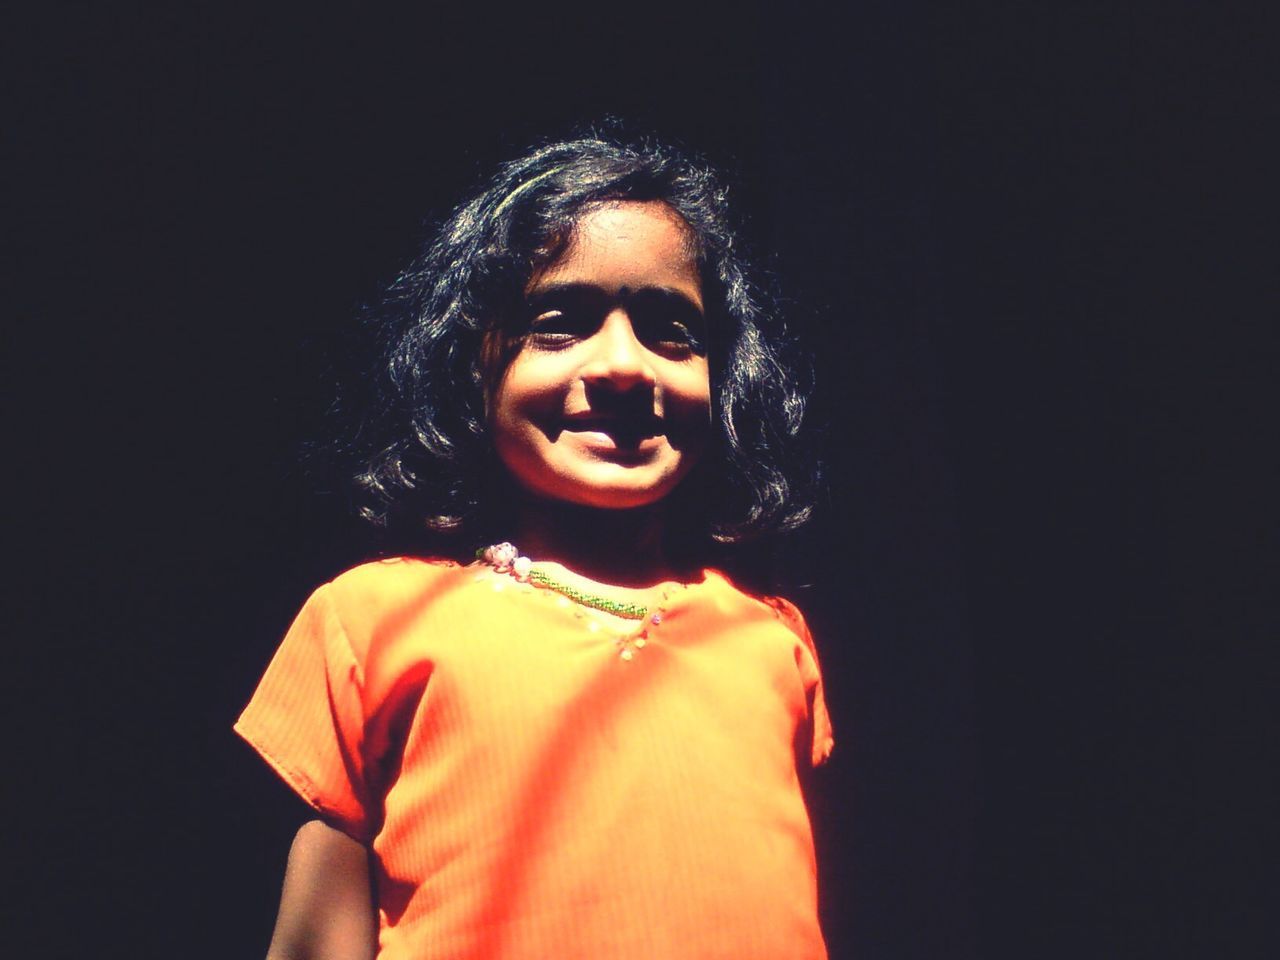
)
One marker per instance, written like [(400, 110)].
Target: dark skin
[(597, 417), (624, 551), (326, 907)]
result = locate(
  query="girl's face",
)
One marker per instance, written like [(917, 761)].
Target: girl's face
[(607, 403)]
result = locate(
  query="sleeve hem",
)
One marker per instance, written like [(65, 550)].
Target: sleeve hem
[(300, 783), (822, 751), (823, 742)]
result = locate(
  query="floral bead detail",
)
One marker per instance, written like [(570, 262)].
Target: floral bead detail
[(520, 568), (500, 556)]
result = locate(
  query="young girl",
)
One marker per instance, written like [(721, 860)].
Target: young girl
[(586, 744)]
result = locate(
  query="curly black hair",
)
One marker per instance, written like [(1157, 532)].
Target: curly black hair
[(425, 466)]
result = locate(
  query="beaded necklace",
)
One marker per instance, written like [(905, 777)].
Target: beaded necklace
[(505, 558)]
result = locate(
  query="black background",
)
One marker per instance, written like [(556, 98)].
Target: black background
[(1029, 247)]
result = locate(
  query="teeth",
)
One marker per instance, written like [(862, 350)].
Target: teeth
[(637, 428)]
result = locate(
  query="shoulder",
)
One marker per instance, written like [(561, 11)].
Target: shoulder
[(789, 614), (777, 607), (392, 572), (371, 588)]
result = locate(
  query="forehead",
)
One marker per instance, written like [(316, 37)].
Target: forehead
[(634, 244)]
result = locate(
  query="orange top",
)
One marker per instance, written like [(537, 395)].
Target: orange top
[(530, 793)]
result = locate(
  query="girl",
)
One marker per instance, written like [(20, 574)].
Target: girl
[(587, 744)]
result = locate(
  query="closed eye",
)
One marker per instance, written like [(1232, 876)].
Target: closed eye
[(553, 326), (664, 320), (668, 320), (667, 334)]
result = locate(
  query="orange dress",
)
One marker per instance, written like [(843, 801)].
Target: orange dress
[(531, 792)]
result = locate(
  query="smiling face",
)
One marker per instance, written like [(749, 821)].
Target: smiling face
[(607, 403)]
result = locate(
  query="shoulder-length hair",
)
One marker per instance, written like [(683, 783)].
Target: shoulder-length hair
[(425, 463)]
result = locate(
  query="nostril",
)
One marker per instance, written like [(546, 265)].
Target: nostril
[(622, 377), (622, 390), (622, 395)]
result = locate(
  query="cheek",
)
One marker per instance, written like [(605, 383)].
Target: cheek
[(527, 396), (689, 395), (513, 434), (688, 410)]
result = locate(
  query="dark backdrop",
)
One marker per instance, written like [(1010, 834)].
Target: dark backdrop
[(1021, 240)]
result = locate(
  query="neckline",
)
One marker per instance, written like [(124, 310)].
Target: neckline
[(659, 598), (645, 596), (623, 601)]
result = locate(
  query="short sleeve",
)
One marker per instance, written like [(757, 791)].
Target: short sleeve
[(307, 720), (811, 676)]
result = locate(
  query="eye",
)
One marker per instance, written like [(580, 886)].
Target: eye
[(665, 332), (556, 325), (669, 323)]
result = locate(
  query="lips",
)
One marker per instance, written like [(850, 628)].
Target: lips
[(622, 430)]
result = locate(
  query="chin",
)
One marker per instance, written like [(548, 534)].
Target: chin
[(608, 499), (610, 494)]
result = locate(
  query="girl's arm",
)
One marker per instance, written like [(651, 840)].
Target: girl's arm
[(326, 909)]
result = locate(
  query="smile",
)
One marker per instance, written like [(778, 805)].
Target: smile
[(624, 430)]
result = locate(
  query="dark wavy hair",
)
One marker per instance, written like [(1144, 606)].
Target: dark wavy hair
[(425, 468)]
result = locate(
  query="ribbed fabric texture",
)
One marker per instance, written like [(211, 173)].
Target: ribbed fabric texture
[(529, 793)]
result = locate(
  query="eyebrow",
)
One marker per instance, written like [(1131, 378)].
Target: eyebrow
[(589, 292)]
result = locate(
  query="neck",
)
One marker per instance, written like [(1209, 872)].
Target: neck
[(621, 547)]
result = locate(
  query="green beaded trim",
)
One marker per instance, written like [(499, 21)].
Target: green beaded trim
[(619, 608)]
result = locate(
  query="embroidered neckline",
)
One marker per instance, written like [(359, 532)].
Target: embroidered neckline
[(504, 558)]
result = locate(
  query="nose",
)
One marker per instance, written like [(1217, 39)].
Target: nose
[(619, 362)]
